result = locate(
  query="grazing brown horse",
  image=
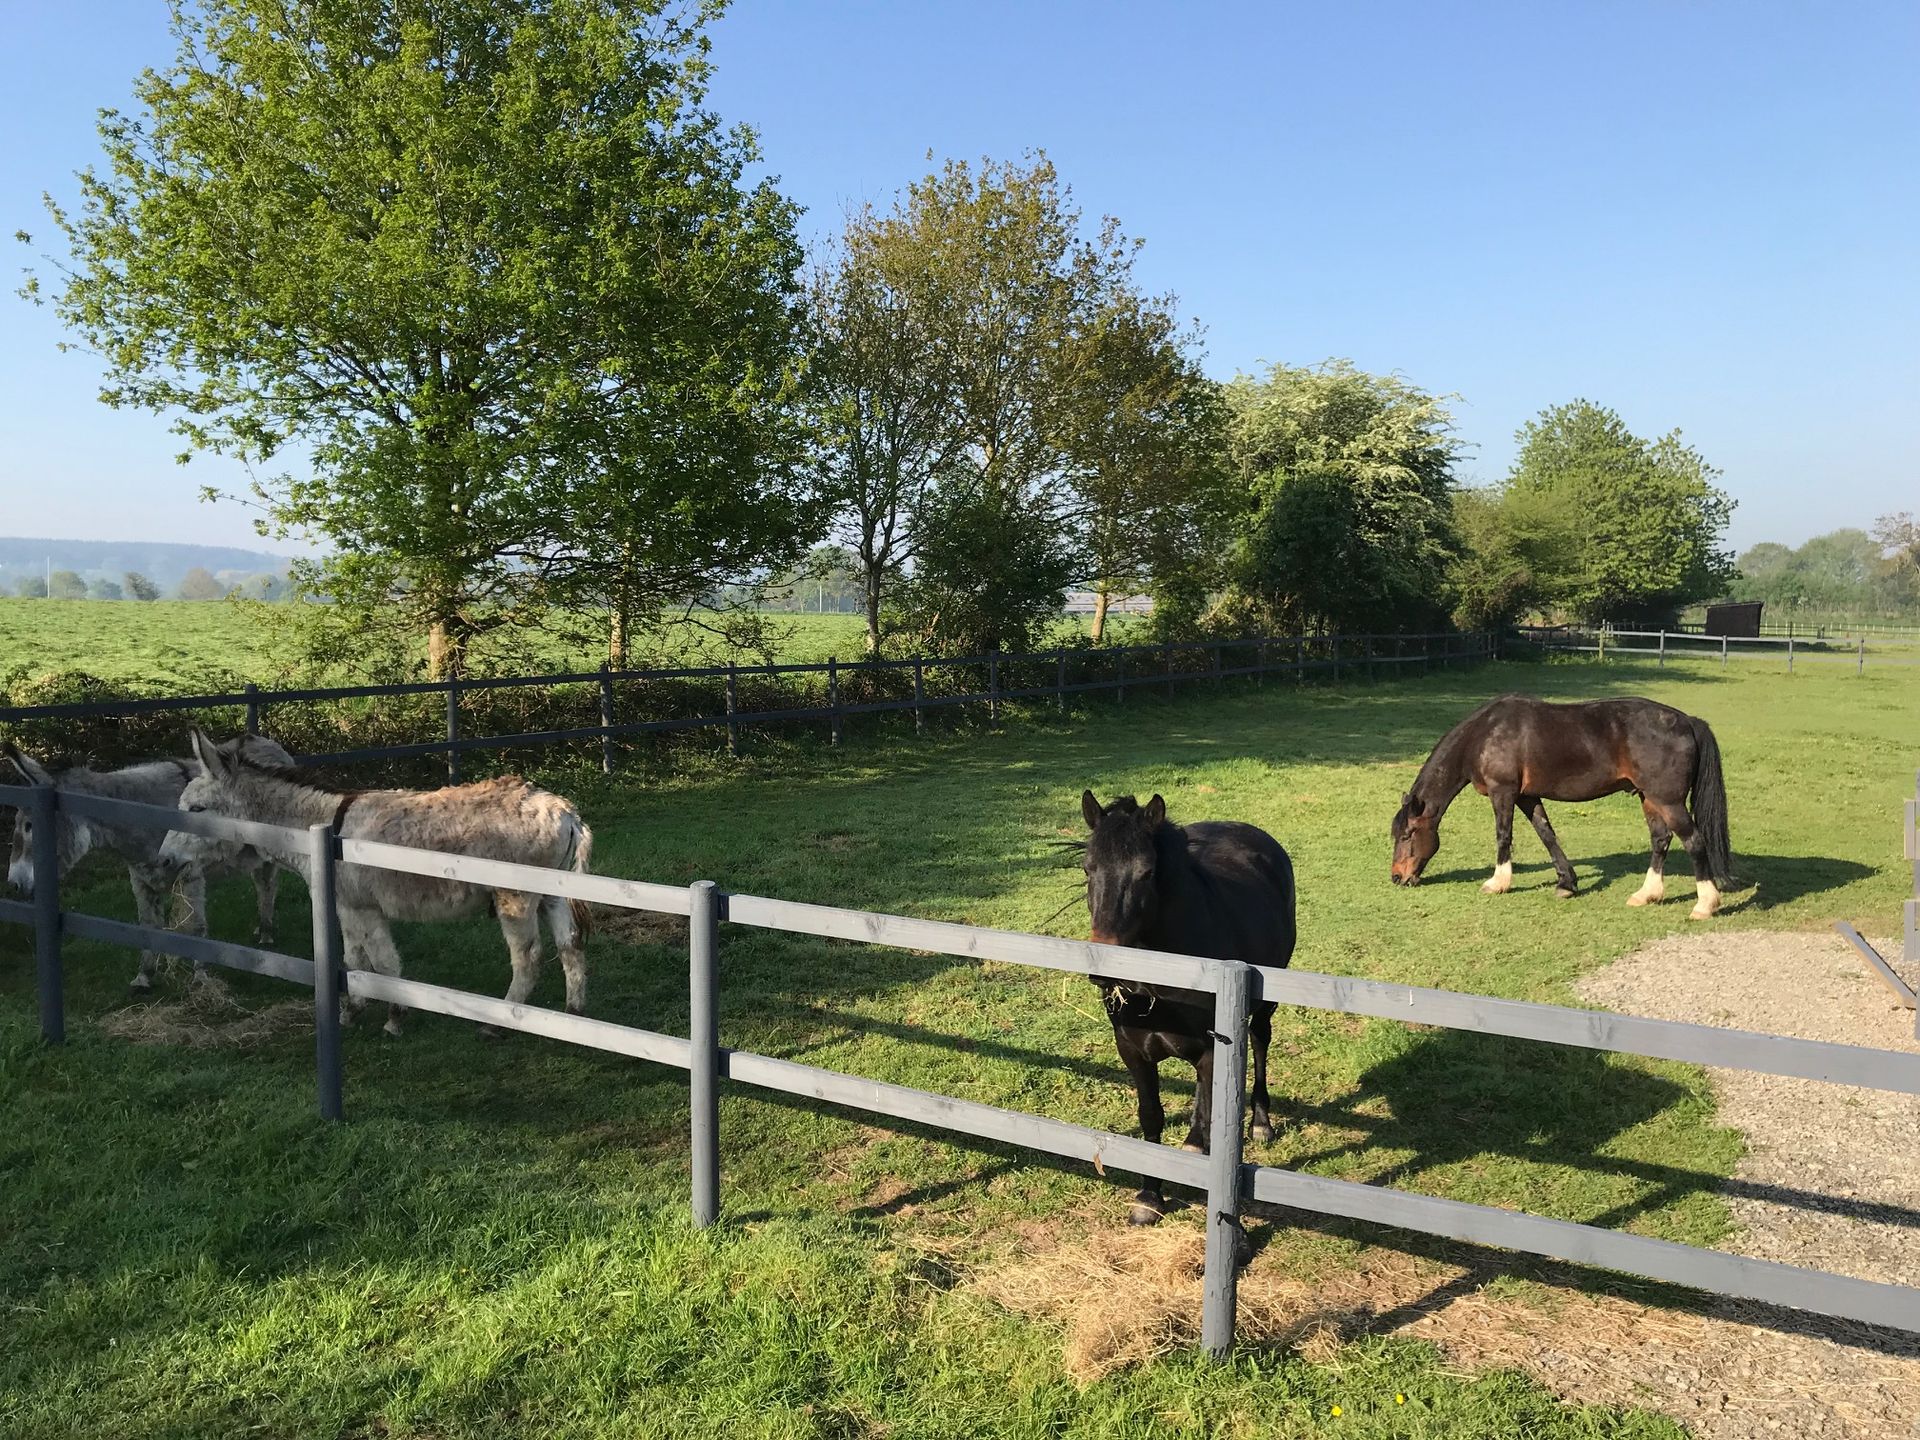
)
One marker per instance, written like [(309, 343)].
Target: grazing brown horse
[(1217, 889), (1519, 750)]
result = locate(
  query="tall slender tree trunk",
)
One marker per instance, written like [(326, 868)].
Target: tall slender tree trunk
[(873, 613), (1101, 598), (617, 635), (446, 649)]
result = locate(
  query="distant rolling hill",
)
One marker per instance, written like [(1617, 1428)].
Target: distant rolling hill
[(164, 564)]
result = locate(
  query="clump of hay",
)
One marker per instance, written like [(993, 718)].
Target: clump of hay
[(639, 927), (208, 1018), (1125, 1297)]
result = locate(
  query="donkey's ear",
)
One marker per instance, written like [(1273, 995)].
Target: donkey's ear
[(209, 756), (1090, 808), (1156, 810), (31, 770)]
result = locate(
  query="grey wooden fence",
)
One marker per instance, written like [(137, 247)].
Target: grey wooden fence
[(1054, 675), (1224, 1177)]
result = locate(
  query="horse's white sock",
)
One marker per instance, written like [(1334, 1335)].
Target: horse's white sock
[(1708, 899), (1502, 880)]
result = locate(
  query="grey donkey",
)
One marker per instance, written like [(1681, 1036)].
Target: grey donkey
[(501, 819), (155, 782)]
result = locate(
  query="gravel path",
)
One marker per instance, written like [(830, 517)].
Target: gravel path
[(1831, 1180)]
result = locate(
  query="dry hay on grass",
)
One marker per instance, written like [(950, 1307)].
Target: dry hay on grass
[(208, 1018), (1124, 1297), (639, 927)]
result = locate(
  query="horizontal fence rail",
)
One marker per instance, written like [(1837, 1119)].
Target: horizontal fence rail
[(1226, 1181), (602, 701)]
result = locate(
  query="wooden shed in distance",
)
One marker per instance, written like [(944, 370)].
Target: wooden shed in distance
[(1738, 619)]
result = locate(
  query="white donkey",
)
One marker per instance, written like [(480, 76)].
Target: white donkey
[(504, 819), (157, 782)]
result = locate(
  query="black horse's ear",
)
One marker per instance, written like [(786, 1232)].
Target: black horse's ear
[(1415, 805), (1156, 810), (1090, 808)]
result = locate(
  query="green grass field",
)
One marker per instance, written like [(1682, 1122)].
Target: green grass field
[(181, 644), (495, 1245)]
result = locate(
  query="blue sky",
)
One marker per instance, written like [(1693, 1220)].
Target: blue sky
[(1706, 215)]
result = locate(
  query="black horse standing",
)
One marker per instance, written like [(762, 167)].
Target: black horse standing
[(1216, 889), (1521, 751)]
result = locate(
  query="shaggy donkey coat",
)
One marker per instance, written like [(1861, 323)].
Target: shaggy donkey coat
[(503, 819), (156, 782)]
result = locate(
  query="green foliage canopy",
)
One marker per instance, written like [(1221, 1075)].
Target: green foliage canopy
[(1348, 482), (489, 263)]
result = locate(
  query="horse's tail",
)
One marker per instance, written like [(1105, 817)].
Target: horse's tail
[(582, 839), (1710, 804)]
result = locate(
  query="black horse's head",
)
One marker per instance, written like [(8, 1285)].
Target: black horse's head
[(1121, 861), (1416, 839)]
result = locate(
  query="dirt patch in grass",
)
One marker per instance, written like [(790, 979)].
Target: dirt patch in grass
[(208, 1018)]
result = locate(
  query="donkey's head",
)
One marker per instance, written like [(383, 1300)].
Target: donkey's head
[(1416, 839), (217, 789), (1122, 864), (73, 838)]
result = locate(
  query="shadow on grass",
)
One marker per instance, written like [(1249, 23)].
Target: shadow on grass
[(1761, 881)]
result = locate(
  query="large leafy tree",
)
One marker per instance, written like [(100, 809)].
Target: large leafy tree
[(1007, 280), (139, 587), (489, 264), (883, 397), (1145, 437), (1651, 522), (1349, 498)]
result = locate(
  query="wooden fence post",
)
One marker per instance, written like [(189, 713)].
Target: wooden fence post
[(1060, 680), (993, 684), (453, 729), (1723, 652), (1299, 659), (1336, 659), (833, 695), (1218, 678), (1860, 666), (733, 710), (1230, 1009), (703, 1034), (1120, 662), (322, 873), (919, 692), (1166, 667), (46, 914), (253, 708), (1789, 652), (606, 719), (1663, 650)]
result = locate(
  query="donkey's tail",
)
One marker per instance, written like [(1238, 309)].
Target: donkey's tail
[(1710, 804), (578, 862)]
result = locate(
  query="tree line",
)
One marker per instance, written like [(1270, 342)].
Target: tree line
[(485, 295), (198, 583)]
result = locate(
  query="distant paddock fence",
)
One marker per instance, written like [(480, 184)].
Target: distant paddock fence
[(1222, 1174), (1604, 641), (357, 724)]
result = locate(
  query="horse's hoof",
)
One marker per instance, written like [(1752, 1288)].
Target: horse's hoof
[(576, 1009), (139, 985), (1193, 1149), (1562, 892), (1261, 1134), (392, 1028), (1142, 1214), (491, 1032), (1639, 898), (1698, 914)]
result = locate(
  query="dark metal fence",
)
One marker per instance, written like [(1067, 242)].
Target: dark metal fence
[(613, 705), (1603, 641), (1222, 1175)]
